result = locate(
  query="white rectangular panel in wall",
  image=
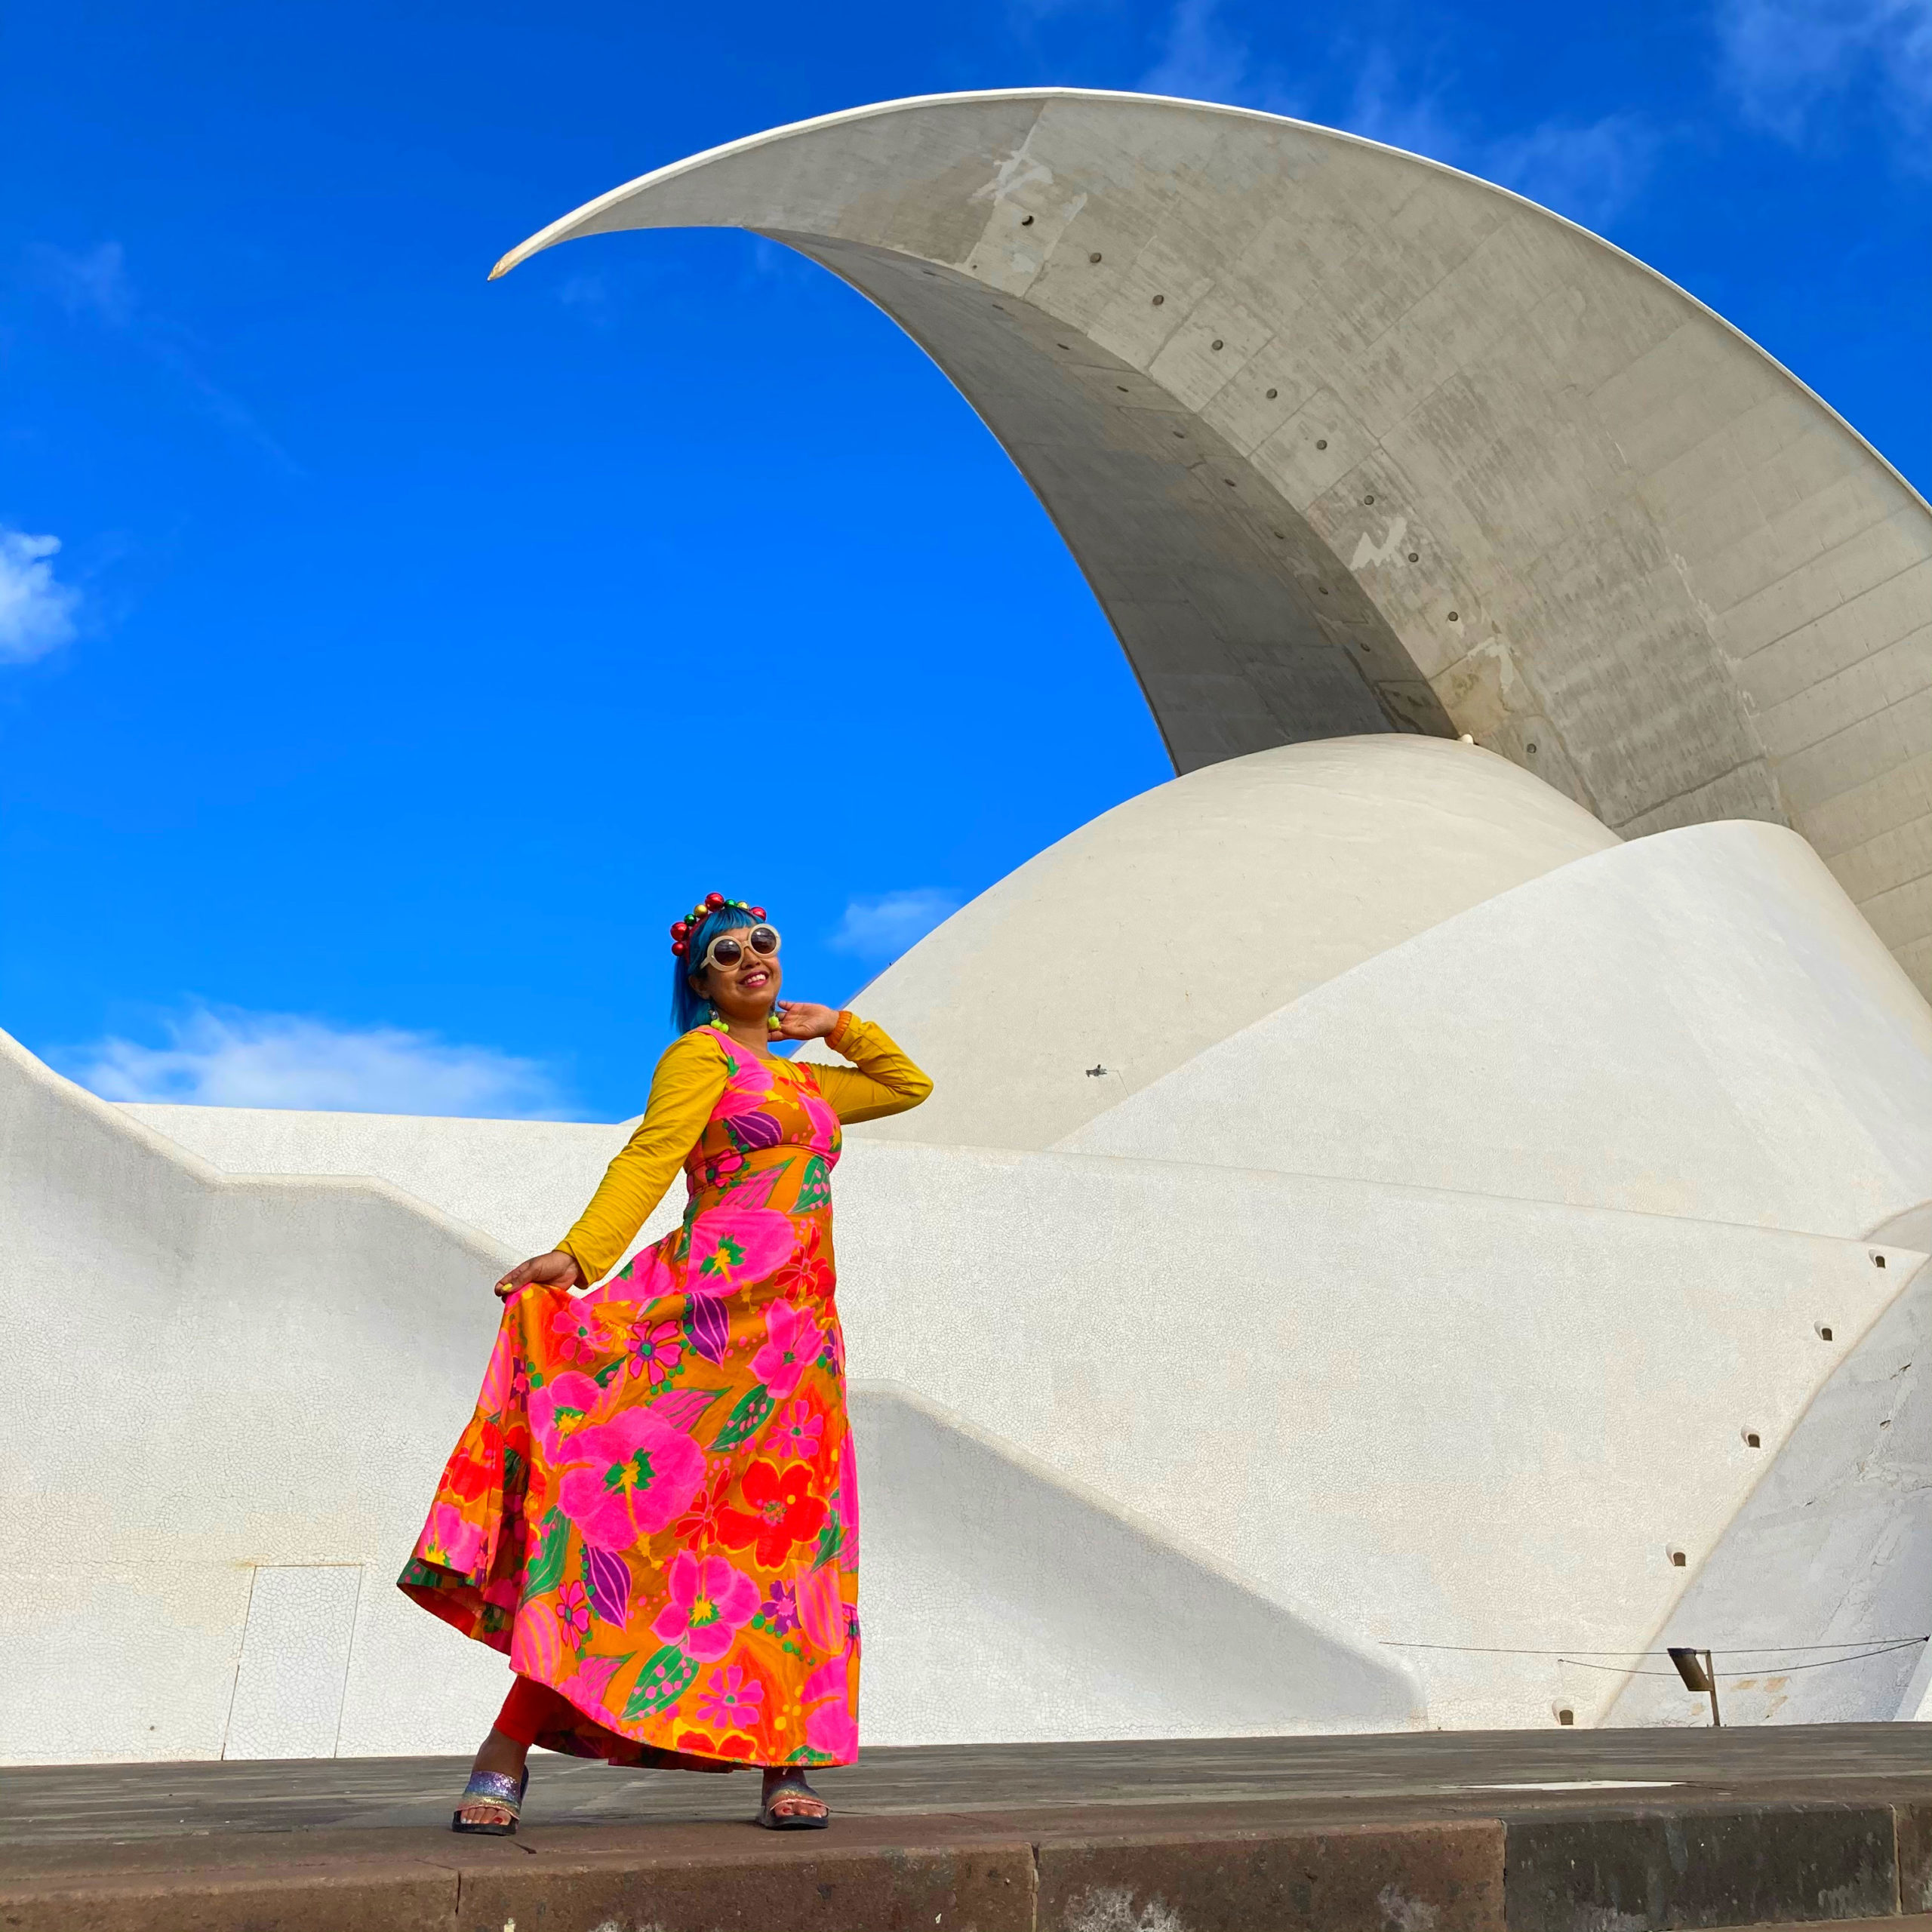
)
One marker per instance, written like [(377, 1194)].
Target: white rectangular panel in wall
[(288, 1687)]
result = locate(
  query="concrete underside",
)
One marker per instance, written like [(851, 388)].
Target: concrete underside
[(1641, 1831), (1346, 442)]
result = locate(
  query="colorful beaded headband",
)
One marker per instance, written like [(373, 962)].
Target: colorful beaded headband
[(712, 901)]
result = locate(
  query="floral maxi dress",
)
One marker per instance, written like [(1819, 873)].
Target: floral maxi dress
[(654, 1509)]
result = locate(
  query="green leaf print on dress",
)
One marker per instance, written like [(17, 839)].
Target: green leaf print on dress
[(667, 1675)]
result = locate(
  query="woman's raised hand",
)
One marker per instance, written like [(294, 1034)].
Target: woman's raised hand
[(554, 1270), (799, 1019)]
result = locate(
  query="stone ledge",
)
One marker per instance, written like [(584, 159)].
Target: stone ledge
[(1635, 1867)]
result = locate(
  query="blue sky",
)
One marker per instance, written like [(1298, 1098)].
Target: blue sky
[(386, 657)]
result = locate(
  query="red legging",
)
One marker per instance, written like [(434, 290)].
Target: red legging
[(528, 1708)]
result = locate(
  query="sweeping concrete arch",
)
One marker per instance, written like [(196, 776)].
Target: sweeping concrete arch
[(1346, 442)]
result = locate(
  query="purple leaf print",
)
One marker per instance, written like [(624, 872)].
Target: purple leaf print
[(610, 1580), (681, 1407), (754, 1131), (709, 1327)]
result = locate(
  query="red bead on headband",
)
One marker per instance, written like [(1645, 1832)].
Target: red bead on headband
[(681, 930)]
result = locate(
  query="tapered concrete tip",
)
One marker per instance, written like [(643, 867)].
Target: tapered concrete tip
[(504, 264)]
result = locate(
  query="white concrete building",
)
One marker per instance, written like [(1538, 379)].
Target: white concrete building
[(1501, 1254)]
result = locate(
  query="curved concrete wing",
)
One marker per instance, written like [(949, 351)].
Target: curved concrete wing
[(1346, 442)]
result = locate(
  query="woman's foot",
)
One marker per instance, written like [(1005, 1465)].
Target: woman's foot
[(790, 1804), (506, 1757)]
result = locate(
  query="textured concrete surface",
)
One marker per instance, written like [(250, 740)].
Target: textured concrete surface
[(1649, 1831), (1379, 1776), (1345, 441)]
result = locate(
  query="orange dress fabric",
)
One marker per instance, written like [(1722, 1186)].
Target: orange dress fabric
[(653, 1510)]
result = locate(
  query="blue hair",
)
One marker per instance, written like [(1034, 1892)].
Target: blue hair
[(690, 1009)]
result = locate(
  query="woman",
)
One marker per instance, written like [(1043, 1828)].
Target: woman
[(653, 1510)]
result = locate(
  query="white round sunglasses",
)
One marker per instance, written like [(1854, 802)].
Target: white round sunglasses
[(727, 949)]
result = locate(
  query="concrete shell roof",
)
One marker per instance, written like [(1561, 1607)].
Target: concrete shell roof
[(1346, 442), (1187, 914)]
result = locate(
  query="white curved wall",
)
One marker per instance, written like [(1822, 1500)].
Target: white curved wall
[(1833, 1548), (1193, 910), (1222, 1341), (1697, 1023)]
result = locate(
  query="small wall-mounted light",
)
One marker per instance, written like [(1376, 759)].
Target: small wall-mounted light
[(1564, 1715), (1699, 1673), (1824, 1329), (1878, 1260), (1753, 1440)]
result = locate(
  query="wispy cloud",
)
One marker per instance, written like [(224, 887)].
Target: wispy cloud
[(94, 284), (1202, 58), (589, 295), (1783, 59), (36, 609), (1589, 171), (1384, 105), (882, 928), (220, 1056)]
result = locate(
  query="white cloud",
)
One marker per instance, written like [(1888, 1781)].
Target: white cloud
[(1591, 173), (882, 928), (222, 1057), (95, 282), (36, 612), (1201, 59), (1382, 109), (1782, 59)]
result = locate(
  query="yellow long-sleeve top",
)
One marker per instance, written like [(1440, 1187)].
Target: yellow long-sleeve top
[(689, 1080)]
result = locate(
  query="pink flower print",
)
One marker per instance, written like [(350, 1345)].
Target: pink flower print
[(573, 1611), (798, 1431), (561, 1407), (633, 1474), (707, 1604), (450, 1542), (576, 1334), (655, 1351), (730, 1700), (715, 1171), (731, 1246), (831, 1729), (793, 1343), (780, 1609), (585, 1685), (824, 1121)]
